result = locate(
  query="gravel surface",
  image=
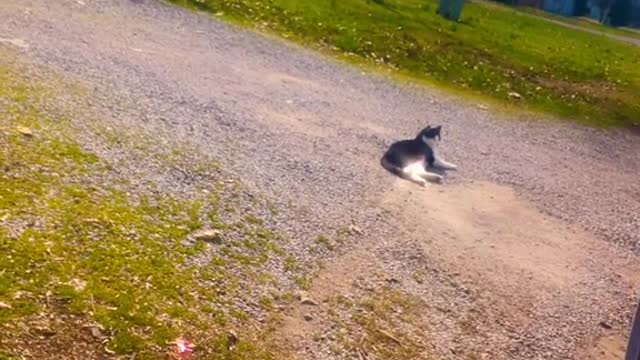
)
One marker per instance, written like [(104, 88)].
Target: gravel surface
[(308, 132), (251, 101)]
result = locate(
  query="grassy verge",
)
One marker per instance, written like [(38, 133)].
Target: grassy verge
[(89, 270), (506, 55)]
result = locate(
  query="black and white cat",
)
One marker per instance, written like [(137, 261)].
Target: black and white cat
[(409, 159)]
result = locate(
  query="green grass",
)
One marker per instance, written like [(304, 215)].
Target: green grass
[(488, 54), (325, 242), (74, 246)]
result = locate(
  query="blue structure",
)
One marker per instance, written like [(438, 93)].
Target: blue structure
[(595, 13), (608, 12), (451, 9), (561, 7), (635, 13)]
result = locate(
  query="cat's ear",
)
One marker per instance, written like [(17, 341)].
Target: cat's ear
[(439, 127)]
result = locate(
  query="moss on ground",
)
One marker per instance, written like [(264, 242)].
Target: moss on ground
[(76, 247)]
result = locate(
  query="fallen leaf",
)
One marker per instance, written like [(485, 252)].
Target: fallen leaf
[(515, 95), (308, 301), (24, 130), (15, 42), (391, 337)]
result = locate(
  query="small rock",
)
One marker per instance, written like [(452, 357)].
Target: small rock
[(355, 229), (483, 107), (44, 331), (219, 13), (4, 305), (78, 284), (515, 95), (605, 325), (232, 339), (210, 236), (308, 317), (24, 130), (392, 280), (96, 333), (308, 301), (301, 295)]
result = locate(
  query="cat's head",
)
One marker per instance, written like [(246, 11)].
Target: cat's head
[(430, 134)]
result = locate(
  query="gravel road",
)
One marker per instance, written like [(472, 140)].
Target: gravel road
[(308, 132)]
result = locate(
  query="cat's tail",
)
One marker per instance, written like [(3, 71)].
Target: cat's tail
[(385, 163)]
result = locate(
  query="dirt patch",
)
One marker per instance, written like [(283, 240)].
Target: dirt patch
[(504, 280), (336, 278), (529, 267), (49, 334), (483, 230), (276, 78), (608, 347), (294, 122)]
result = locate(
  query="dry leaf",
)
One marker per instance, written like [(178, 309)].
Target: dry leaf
[(24, 130)]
